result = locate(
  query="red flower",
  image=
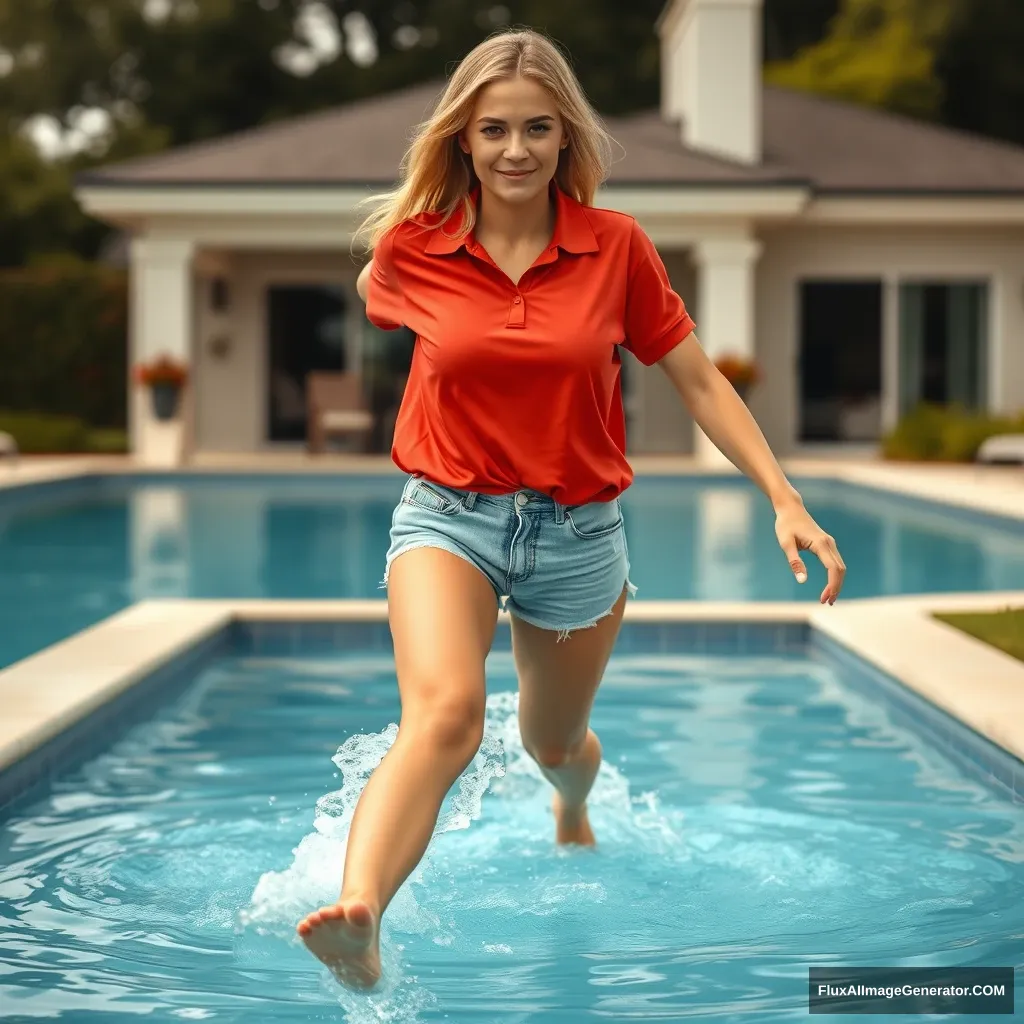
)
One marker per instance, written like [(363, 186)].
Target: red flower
[(739, 371), (163, 370)]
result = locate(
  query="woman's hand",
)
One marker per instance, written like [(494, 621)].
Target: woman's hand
[(796, 532)]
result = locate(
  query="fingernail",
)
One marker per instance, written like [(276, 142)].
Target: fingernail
[(801, 577)]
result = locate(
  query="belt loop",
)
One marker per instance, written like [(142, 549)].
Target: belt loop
[(469, 500), (559, 513)]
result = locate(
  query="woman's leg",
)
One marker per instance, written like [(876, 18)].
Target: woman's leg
[(558, 680), (443, 614)]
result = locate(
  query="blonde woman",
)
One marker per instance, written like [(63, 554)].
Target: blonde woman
[(511, 433)]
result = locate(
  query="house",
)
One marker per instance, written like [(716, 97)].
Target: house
[(867, 261)]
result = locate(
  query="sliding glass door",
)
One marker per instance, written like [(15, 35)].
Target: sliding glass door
[(943, 344)]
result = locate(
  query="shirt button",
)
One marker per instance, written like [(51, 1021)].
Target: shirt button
[(517, 299)]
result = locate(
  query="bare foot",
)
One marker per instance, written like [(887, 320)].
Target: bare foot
[(345, 938), (571, 826)]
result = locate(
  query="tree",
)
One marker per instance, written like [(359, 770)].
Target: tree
[(979, 62), (877, 52)]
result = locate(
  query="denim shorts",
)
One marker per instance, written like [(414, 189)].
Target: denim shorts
[(559, 567)]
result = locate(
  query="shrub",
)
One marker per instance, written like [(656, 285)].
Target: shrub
[(40, 434), (945, 433), (107, 441), (63, 341)]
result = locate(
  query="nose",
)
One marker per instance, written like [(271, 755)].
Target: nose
[(515, 148)]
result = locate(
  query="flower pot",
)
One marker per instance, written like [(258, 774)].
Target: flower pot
[(165, 400)]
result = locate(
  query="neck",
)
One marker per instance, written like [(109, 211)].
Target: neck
[(513, 225)]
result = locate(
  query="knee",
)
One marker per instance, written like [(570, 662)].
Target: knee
[(554, 753), (450, 725), (551, 756)]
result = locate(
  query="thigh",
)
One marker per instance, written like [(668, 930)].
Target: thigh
[(558, 678), (442, 612)]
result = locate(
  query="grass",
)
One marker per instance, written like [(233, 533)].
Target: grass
[(1002, 629)]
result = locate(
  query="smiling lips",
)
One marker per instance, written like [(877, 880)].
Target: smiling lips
[(515, 174)]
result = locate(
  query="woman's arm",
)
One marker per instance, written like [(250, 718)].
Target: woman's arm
[(363, 280), (720, 412)]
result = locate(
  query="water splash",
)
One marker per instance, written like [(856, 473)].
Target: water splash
[(501, 769)]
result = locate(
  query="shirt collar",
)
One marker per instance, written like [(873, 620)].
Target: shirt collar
[(573, 232)]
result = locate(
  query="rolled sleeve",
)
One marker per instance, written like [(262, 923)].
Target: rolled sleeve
[(656, 318), (384, 302)]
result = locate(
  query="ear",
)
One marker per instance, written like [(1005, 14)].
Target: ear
[(565, 141), (463, 144)]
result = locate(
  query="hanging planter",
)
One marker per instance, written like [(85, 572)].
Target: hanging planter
[(165, 377), (742, 373)]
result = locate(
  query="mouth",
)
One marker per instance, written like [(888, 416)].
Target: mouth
[(515, 175)]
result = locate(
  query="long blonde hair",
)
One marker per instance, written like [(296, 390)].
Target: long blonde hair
[(437, 177)]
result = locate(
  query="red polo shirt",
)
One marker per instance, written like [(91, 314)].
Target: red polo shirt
[(518, 386)]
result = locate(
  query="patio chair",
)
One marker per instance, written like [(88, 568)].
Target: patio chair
[(336, 405), (1002, 448)]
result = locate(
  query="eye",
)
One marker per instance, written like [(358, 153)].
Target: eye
[(542, 127), (488, 129)]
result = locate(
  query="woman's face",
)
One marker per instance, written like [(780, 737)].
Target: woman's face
[(514, 136)]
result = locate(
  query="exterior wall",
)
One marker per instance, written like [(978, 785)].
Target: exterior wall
[(891, 254), (231, 395), (658, 420), (231, 389)]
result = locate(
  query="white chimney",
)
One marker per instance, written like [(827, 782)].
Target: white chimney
[(711, 74)]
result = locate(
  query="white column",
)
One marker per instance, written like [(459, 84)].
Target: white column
[(161, 292), (725, 310)]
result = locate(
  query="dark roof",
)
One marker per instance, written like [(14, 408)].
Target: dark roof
[(844, 148), (833, 147)]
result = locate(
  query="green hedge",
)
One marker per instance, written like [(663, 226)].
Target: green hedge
[(41, 434), (944, 433), (63, 342)]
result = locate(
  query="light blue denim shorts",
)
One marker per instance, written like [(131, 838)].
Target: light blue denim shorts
[(559, 567)]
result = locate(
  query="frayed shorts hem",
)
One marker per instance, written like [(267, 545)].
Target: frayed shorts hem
[(442, 545), (564, 631)]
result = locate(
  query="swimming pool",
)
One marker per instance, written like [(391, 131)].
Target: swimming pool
[(75, 552), (756, 814)]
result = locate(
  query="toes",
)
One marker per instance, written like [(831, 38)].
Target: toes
[(332, 913)]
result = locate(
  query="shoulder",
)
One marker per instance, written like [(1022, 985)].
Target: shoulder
[(615, 230), (412, 236), (405, 234)]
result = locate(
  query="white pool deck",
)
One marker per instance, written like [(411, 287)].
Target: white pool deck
[(982, 687)]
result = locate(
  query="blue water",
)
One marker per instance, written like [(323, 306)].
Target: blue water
[(73, 555), (755, 816)]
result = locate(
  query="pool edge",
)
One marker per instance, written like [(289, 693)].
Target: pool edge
[(62, 686)]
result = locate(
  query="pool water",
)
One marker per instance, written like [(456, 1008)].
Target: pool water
[(75, 553), (755, 816)]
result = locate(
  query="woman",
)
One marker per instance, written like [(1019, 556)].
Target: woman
[(511, 431)]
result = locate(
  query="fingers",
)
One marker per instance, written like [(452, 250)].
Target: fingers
[(795, 561), (825, 548)]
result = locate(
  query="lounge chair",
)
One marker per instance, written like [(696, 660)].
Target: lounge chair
[(1002, 448), (335, 404)]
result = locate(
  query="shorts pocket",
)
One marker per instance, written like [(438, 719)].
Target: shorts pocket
[(434, 498), (596, 519)]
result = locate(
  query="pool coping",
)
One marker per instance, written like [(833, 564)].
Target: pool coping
[(995, 490), (51, 691)]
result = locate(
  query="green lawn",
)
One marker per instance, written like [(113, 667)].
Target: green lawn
[(1003, 629)]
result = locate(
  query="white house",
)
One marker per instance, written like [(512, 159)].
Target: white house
[(867, 261)]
